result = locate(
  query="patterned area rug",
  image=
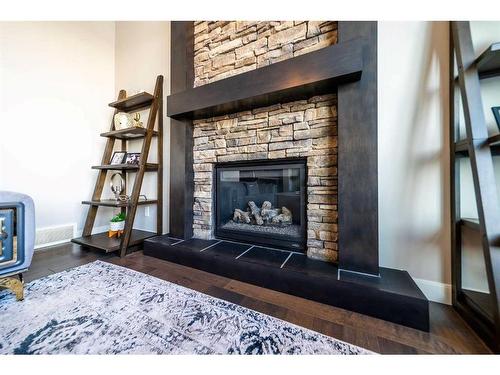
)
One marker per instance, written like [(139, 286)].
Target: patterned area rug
[(100, 308)]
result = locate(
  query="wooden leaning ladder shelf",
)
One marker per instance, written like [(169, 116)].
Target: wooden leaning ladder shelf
[(130, 237), (480, 309)]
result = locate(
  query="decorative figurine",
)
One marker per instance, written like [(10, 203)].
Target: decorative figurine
[(117, 185), (123, 120)]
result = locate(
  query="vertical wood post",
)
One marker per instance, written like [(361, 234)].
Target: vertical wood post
[(101, 177), (357, 160), (181, 133)]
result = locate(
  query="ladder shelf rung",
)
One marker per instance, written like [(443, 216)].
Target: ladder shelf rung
[(133, 103), (128, 133), (488, 63), (126, 167), (102, 241), (470, 223), (462, 147), (114, 203), (494, 140)]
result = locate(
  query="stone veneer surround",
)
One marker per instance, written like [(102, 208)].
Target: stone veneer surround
[(306, 128), (225, 48)]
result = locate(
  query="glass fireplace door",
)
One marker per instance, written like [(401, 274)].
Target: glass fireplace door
[(262, 203)]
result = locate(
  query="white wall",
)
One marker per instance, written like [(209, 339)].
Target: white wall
[(142, 53), (56, 79), (414, 153)]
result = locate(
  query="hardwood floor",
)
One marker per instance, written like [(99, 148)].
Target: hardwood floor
[(449, 333)]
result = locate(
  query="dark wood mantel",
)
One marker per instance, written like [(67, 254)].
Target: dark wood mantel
[(301, 77)]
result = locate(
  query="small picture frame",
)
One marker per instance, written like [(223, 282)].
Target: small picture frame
[(118, 157), (133, 158), (496, 113)]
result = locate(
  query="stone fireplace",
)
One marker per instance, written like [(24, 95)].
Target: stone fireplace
[(305, 129), (262, 110)]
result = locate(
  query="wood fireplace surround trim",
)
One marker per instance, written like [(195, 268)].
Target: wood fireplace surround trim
[(350, 67)]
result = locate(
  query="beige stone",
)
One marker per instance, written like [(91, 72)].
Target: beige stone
[(257, 155), (286, 36), (282, 25), (203, 154), (203, 167), (263, 136), (277, 154), (321, 161), (322, 227), (233, 157), (280, 146), (249, 49), (320, 172), (223, 60), (257, 148), (200, 27), (314, 243), (313, 28), (247, 141), (224, 47), (313, 181), (228, 123), (322, 198), (318, 113), (245, 61)]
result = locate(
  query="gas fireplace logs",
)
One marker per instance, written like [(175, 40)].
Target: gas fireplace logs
[(267, 215)]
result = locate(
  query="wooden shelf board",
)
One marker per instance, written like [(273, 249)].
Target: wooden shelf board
[(494, 140), (301, 77), (114, 203), (462, 147), (134, 102), (101, 241), (126, 167), (470, 223), (488, 63), (129, 133)]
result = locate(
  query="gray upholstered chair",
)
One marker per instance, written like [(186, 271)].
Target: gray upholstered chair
[(17, 239)]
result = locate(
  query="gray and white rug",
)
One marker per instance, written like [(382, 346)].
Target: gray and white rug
[(100, 308)]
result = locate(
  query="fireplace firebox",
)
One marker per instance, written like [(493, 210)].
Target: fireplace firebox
[(262, 202)]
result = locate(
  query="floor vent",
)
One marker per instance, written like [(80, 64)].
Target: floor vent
[(54, 235)]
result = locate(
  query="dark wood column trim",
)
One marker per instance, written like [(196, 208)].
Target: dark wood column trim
[(181, 132), (357, 163)]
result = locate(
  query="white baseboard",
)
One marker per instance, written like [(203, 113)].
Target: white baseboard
[(54, 235), (435, 291), (77, 233)]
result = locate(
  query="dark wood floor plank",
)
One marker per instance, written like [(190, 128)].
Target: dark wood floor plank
[(419, 339), (328, 328), (361, 338), (264, 307), (448, 334), (392, 347)]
